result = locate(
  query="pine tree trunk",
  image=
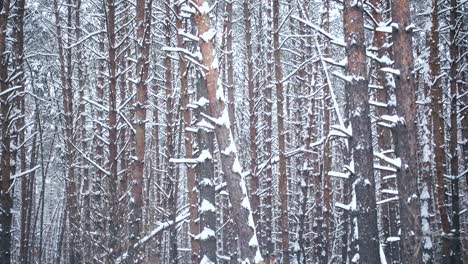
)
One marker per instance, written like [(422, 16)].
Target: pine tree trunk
[(113, 239), (6, 201), (362, 179), (143, 21), (283, 178), (456, 255), (232, 170), (405, 134)]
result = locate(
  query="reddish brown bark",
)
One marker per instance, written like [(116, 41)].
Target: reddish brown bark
[(283, 178), (268, 112), (25, 194), (113, 239), (230, 164), (456, 256), (405, 134), (6, 201), (143, 21), (254, 182), (230, 67), (65, 60), (327, 157), (362, 179), (191, 177)]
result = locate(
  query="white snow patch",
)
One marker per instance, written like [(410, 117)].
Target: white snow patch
[(208, 35), (205, 234), (206, 260), (393, 239), (206, 206), (204, 155)]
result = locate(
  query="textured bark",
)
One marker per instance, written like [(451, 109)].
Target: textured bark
[(97, 201), (25, 194), (143, 21), (171, 119), (362, 179), (327, 155), (206, 176), (456, 254), (83, 137), (254, 182), (269, 255), (113, 224), (389, 210), (230, 67), (405, 134), (307, 166), (438, 126), (283, 178), (65, 60), (194, 227), (6, 201), (242, 215)]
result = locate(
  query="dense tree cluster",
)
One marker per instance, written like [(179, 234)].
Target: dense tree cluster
[(199, 131)]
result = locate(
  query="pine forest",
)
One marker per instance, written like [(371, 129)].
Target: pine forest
[(233, 131)]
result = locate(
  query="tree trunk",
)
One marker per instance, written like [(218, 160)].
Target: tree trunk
[(268, 137), (143, 22), (362, 179), (254, 183), (6, 201), (230, 67), (405, 134), (113, 242), (283, 178), (456, 255), (232, 170)]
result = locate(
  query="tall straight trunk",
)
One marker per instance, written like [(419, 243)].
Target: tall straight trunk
[(206, 177), (283, 178), (327, 155), (254, 182), (230, 67), (362, 179), (232, 170), (456, 255), (40, 210), (66, 83), (171, 184), (32, 176), (389, 210), (307, 163), (6, 201), (433, 82), (155, 254), (113, 239), (25, 195), (405, 134), (83, 135), (438, 127), (194, 227), (125, 132), (143, 22), (267, 116), (97, 201)]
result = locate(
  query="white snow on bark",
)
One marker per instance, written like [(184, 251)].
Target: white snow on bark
[(205, 234), (206, 206)]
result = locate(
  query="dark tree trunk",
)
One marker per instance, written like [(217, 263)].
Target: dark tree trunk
[(218, 110), (283, 178), (362, 179), (405, 134)]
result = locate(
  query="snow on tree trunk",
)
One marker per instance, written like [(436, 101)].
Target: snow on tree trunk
[(242, 214), (362, 178), (405, 134)]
